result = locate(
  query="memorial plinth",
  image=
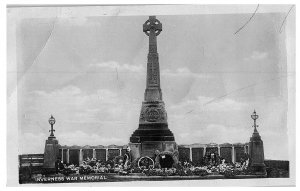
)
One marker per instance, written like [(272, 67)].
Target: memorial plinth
[(153, 135), (256, 151), (51, 153)]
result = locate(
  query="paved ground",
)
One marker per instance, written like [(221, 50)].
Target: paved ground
[(111, 177)]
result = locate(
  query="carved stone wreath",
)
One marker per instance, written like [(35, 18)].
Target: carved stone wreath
[(152, 113)]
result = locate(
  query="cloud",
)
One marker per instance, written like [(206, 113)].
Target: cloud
[(74, 21), (256, 55), (81, 138), (182, 72), (35, 142), (223, 134), (113, 66), (66, 91), (103, 104), (209, 104), (213, 133), (88, 118), (32, 143)]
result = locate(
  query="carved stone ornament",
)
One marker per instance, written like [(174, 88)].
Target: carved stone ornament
[(153, 113)]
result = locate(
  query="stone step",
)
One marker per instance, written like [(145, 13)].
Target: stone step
[(153, 126), (151, 132), (137, 139)]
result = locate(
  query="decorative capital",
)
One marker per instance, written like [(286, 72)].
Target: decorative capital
[(254, 116), (51, 120)]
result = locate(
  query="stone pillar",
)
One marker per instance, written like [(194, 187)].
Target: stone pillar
[(94, 153), (51, 153), (233, 154), (68, 155), (80, 156), (120, 151), (135, 150), (219, 150), (62, 154), (204, 150), (106, 154), (191, 155), (256, 154)]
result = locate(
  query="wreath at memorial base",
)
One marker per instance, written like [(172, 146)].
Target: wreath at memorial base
[(230, 173), (83, 170), (200, 172)]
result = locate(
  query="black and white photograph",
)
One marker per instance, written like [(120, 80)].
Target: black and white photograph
[(101, 94)]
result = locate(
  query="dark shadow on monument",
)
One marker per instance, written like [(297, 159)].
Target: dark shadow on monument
[(166, 161)]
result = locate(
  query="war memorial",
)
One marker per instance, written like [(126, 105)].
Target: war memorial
[(152, 152)]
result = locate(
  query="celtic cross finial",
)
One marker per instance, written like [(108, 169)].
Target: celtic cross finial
[(152, 25)]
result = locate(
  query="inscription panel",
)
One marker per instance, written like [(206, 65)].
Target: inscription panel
[(112, 153), (239, 153), (184, 154), (153, 73), (74, 156), (101, 154), (226, 153), (123, 152), (65, 156), (210, 150), (197, 155), (60, 154), (148, 149), (87, 153)]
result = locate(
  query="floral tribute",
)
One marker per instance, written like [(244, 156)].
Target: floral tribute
[(117, 166)]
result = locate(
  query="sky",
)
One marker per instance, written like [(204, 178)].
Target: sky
[(90, 74)]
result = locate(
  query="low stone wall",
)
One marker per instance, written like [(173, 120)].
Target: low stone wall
[(278, 164)]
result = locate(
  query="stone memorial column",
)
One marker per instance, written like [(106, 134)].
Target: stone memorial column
[(80, 156), (153, 116), (94, 153), (233, 154), (204, 151), (68, 156), (106, 154), (62, 154), (219, 150), (191, 155), (120, 151)]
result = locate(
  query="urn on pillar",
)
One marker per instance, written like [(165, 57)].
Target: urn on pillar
[(51, 148), (256, 150)]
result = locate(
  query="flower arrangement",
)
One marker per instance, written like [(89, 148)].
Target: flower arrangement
[(229, 170)]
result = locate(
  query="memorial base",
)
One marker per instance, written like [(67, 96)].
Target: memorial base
[(257, 159), (258, 169), (50, 153), (151, 148)]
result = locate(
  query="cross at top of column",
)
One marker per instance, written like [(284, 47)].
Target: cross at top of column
[(152, 25)]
